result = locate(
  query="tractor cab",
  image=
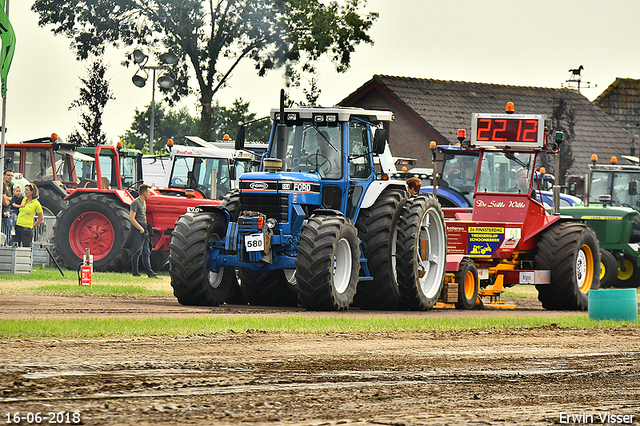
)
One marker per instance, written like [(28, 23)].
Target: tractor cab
[(320, 158), (613, 184)]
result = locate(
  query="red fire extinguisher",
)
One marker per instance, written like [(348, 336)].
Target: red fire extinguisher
[(85, 270)]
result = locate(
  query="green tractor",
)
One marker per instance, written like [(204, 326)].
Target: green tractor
[(611, 205)]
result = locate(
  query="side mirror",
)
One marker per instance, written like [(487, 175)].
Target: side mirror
[(633, 187), (232, 172), (379, 141), (239, 137)]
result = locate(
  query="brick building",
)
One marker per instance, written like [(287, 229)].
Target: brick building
[(427, 109), (621, 100)]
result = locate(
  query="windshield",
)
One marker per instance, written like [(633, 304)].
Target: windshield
[(209, 176), (617, 184), (459, 172), (505, 172), (312, 147)]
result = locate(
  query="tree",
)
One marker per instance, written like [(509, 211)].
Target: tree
[(93, 96), (230, 118), (168, 124), (207, 36), (563, 119)]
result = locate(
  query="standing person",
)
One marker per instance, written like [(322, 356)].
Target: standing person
[(14, 209), (413, 185), (7, 193), (140, 234), (29, 209)]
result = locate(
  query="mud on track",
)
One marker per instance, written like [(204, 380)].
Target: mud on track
[(434, 378)]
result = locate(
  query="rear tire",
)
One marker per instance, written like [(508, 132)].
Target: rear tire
[(378, 230), (328, 263), (630, 277), (571, 251), (51, 201), (422, 252), (608, 269), (273, 288), (192, 281), (95, 221), (468, 284)]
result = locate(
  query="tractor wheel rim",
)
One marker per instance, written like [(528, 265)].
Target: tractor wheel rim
[(584, 268), (342, 266), (469, 285), (290, 276), (603, 271), (215, 278), (431, 253), (628, 270), (93, 231)]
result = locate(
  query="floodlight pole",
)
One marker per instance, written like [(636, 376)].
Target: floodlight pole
[(153, 110)]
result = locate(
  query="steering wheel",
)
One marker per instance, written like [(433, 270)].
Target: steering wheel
[(135, 185), (318, 161)]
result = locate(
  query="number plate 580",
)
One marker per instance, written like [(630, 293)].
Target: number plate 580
[(254, 242)]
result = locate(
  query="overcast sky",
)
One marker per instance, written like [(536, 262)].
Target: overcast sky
[(525, 43)]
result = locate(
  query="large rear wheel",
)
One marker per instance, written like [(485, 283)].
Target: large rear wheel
[(327, 264), (378, 230), (570, 250), (192, 281), (98, 222), (422, 252)]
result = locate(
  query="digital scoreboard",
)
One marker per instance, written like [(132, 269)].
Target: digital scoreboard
[(512, 130)]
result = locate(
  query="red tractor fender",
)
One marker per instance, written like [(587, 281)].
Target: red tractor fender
[(119, 194)]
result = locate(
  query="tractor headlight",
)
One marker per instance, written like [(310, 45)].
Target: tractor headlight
[(271, 223)]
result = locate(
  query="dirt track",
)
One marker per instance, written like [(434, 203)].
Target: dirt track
[(482, 377)]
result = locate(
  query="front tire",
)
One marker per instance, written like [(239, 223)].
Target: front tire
[(571, 252), (468, 284), (630, 277), (192, 281), (422, 252), (327, 264), (608, 269)]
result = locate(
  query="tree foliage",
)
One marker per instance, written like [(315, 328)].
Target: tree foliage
[(211, 38), (176, 124), (563, 119), (94, 96), (168, 124), (229, 118)]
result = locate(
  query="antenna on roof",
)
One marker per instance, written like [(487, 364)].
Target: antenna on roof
[(575, 79)]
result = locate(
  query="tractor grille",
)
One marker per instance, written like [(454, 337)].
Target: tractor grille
[(271, 205)]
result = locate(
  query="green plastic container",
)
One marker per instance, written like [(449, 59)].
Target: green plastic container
[(620, 304)]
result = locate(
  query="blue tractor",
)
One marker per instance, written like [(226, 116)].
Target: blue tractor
[(320, 224)]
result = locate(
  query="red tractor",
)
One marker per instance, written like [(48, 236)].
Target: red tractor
[(48, 163), (508, 237), (98, 219)]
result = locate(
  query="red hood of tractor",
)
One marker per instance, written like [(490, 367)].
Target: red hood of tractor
[(164, 210)]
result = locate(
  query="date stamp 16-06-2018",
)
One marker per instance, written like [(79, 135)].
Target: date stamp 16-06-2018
[(49, 417)]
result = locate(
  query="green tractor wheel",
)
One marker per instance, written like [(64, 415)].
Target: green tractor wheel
[(628, 272), (608, 269)]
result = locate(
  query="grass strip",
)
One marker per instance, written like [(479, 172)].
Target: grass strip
[(117, 327)]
